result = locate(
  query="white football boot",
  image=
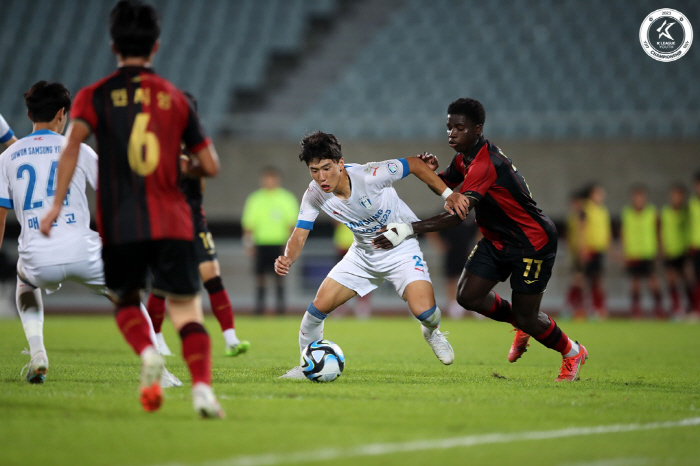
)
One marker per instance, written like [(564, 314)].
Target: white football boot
[(168, 379), (293, 373), (205, 403), (438, 342), (38, 367), (162, 345)]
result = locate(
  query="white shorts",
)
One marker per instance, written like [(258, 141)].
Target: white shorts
[(49, 277), (362, 271)]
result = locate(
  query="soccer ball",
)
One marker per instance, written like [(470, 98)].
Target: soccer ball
[(322, 361)]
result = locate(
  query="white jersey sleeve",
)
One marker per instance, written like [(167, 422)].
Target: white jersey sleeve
[(5, 130), (5, 186), (386, 173), (87, 161), (310, 207)]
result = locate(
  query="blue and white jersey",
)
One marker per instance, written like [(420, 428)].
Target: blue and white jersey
[(373, 202), (27, 185), (5, 130)]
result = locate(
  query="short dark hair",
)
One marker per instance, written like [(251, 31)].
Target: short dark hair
[(639, 188), (470, 108), (45, 99), (319, 146), (697, 176), (269, 170), (134, 28)]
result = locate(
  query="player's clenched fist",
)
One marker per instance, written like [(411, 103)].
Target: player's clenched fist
[(457, 204), (282, 265), (430, 160)]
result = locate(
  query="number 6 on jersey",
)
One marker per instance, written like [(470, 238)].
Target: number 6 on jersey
[(144, 148)]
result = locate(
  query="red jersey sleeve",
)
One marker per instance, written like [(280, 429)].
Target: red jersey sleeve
[(453, 175), (481, 175), (83, 109)]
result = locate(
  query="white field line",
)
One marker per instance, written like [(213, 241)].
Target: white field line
[(375, 449)]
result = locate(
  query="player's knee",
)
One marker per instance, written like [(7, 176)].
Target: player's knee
[(132, 298), (469, 301)]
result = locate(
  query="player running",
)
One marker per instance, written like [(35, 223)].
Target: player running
[(363, 198), (27, 183), (519, 240), (139, 120), (209, 269)]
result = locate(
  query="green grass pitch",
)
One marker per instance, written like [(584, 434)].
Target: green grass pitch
[(395, 403)]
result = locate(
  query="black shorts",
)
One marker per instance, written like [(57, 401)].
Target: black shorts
[(593, 266), (204, 246), (265, 257), (676, 263), (640, 268), (172, 262), (528, 275)]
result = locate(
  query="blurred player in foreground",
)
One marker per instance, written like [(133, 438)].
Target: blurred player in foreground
[(7, 136), (209, 269), (519, 240), (139, 120), (73, 253), (363, 198)]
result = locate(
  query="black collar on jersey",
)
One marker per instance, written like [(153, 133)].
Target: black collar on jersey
[(468, 157), (134, 68)]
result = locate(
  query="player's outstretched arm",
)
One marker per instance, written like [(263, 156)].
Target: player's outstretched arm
[(76, 134), (10, 141), (292, 251), (401, 231), (455, 203)]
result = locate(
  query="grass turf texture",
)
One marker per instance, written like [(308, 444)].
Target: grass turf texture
[(393, 390)]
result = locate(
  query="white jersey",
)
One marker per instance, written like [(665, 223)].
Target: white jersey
[(27, 185), (5, 130), (372, 204)]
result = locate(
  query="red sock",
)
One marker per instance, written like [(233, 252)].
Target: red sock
[(636, 307), (575, 297), (554, 338), (220, 303), (675, 298), (501, 310), (196, 349), (156, 310), (134, 327), (598, 296)]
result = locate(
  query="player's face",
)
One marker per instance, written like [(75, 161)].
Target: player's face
[(462, 133), (327, 173)]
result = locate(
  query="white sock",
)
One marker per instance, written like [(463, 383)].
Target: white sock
[(431, 318), (230, 337), (31, 311), (151, 331), (311, 328), (574, 349)]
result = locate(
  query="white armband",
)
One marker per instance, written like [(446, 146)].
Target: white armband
[(403, 231), (446, 193)]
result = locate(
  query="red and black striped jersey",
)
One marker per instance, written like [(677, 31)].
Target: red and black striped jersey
[(505, 212), (139, 120)]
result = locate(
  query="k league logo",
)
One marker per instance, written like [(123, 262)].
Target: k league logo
[(666, 35), (365, 202)]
